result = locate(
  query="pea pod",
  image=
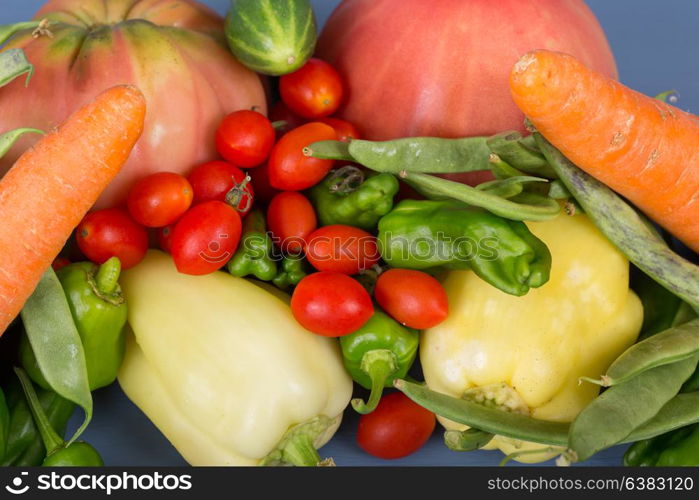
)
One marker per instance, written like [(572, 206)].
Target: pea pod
[(670, 346), (615, 413), (620, 223), (525, 206), (514, 149), (57, 345), (680, 411), (58, 452), (508, 188)]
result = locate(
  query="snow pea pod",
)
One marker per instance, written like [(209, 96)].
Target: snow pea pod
[(524, 206), (468, 440), (615, 413), (625, 228), (514, 149), (57, 345), (510, 187), (329, 150), (485, 418), (680, 411), (672, 345)]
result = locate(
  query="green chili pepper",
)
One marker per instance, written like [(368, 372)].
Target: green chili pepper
[(338, 201), (625, 228), (25, 447), (291, 271), (376, 354), (254, 256), (680, 411), (99, 310), (615, 413), (56, 343), (58, 452), (679, 448), (426, 234), (672, 345)]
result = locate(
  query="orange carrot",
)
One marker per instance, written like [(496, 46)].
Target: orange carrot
[(644, 149), (53, 185)]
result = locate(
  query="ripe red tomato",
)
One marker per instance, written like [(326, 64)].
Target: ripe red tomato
[(341, 249), (281, 113), (345, 130), (396, 428), (164, 237), (215, 180), (59, 262), (412, 298), (331, 304), (205, 238), (289, 168), (245, 138), (264, 191), (159, 199), (313, 91), (112, 233), (290, 219)]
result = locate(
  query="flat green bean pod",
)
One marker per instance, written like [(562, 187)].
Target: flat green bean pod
[(520, 152), (672, 345), (615, 413), (680, 411), (329, 150), (490, 420), (625, 228), (423, 154), (510, 187), (524, 206)]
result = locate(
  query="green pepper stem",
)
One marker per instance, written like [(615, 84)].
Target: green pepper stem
[(52, 441), (379, 365), (107, 277)]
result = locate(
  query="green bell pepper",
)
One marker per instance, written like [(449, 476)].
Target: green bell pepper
[(376, 354), (99, 311), (25, 447), (254, 256), (360, 204), (58, 452), (678, 448), (292, 270), (428, 234)]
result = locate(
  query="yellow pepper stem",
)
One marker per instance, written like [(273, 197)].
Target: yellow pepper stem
[(298, 446)]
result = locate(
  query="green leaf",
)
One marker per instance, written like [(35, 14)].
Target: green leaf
[(57, 345)]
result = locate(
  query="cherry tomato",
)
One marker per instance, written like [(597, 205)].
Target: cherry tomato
[(412, 298), (112, 233), (59, 262), (291, 218), (396, 428), (221, 181), (164, 237), (205, 238), (159, 199), (345, 130), (289, 168), (264, 191), (313, 91), (245, 138), (331, 304), (281, 113), (341, 249)]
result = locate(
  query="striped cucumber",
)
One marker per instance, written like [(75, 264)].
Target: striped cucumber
[(273, 37)]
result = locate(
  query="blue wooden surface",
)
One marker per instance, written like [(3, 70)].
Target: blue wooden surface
[(655, 43)]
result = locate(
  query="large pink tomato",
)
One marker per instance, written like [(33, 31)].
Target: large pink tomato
[(173, 50), (441, 67)]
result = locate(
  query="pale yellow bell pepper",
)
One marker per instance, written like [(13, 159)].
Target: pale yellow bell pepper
[(221, 367), (526, 354)]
